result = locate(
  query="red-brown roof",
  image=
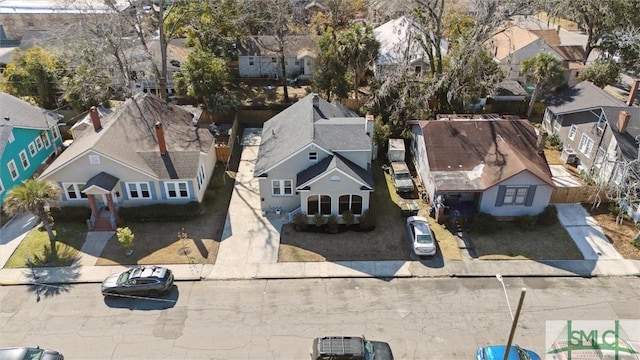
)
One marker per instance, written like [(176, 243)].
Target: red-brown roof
[(485, 151)]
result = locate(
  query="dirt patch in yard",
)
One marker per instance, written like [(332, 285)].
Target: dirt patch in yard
[(620, 235), (164, 242)]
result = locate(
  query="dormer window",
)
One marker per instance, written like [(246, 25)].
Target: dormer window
[(313, 156)]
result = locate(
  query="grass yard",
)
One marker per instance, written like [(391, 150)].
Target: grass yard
[(512, 243), (70, 238), (160, 243), (388, 241)]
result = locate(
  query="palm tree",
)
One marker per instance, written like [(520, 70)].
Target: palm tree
[(545, 71), (358, 48), (34, 196)]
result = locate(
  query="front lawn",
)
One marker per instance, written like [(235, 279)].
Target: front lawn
[(511, 243), (70, 238)]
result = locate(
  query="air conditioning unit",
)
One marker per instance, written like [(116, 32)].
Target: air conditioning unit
[(569, 156)]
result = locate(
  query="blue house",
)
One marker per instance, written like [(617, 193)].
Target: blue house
[(29, 136)]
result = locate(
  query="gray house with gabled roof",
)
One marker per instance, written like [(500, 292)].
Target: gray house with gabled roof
[(145, 152), (598, 130), (315, 157)]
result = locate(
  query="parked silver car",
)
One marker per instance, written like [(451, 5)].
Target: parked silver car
[(29, 353), (139, 280), (422, 240)]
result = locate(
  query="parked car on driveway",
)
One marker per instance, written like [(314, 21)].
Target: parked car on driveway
[(496, 352), (29, 353), (423, 243), (349, 348), (139, 280), (401, 177)]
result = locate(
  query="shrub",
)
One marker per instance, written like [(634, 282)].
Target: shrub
[(71, 213), (319, 220), (332, 224), (163, 212), (484, 223), (348, 218), (526, 222), (300, 222), (125, 237), (548, 216), (367, 221), (554, 141)]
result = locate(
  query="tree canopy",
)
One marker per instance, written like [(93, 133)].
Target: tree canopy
[(33, 76)]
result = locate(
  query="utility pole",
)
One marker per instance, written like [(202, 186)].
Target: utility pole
[(514, 324)]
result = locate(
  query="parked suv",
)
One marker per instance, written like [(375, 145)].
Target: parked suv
[(349, 348), (401, 177)]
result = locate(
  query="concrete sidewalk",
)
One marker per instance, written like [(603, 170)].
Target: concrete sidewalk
[(250, 241)]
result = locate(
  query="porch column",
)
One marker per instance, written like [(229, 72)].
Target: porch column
[(92, 205), (112, 209)]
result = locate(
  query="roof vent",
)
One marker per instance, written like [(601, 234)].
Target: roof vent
[(6, 118)]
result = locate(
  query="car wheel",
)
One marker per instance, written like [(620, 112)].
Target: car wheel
[(154, 293)]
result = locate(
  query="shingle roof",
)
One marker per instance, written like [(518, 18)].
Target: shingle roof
[(129, 135), (550, 36), (626, 142), (478, 154), (15, 112), (510, 40), (335, 162), (266, 45), (584, 95), (570, 52), (330, 126), (102, 180)]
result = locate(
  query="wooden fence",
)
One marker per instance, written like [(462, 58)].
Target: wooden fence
[(581, 194), (223, 153)]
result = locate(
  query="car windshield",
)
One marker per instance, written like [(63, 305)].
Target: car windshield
[(369, 354), (424, 239), (33, 354), (123, 278)]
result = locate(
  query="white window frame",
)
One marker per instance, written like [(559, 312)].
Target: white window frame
[(24, 159), (45, 139), (251, 61), (201, 176), (55, 133), (515, 195), (13, 169), (313, 156), (32, 149), (137, 187), (282, 186), (94, 159), (572, 131), (586, 145), (1, 187), (175, 186), (76, 189), (39, 144), (599, 160)]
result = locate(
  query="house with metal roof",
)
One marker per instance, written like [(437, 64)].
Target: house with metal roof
[(482, 163), (145, 152), (29, 137), (315, 158)]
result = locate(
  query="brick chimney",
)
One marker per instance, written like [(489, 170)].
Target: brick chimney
[(633, 92), (542, 139), (95, 119), (623, 121), (161, 143)]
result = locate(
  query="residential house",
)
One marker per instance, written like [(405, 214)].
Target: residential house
[(400, 46), (598, 131), (259, 57), (315, 158), (514, 44), (29, 137), (482, 163), (145, 152)]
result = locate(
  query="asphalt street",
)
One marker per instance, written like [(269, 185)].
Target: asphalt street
[(277, 319)]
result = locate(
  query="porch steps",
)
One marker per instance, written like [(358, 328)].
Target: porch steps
[(102, 224)]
